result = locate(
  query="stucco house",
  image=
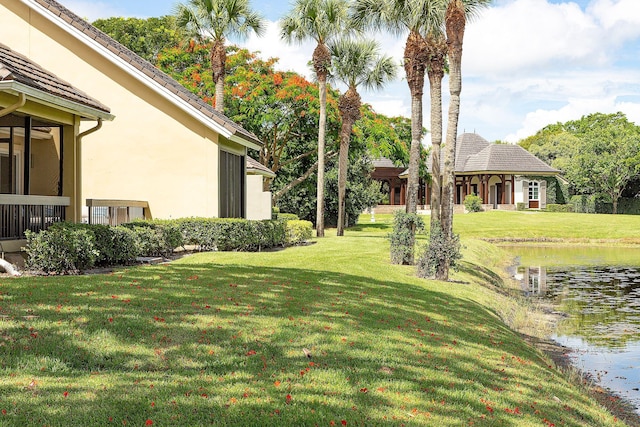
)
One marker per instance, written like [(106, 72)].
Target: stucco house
[(157, 148), (502, 175)]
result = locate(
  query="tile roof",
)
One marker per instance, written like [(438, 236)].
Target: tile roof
[(506, 158), (19, 68), (474, 154), (257, 167), (148, 69)]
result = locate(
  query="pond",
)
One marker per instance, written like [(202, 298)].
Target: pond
[(598, 290)]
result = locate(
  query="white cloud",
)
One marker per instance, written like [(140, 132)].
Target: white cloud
[(294, 57), (530, 63), (619, 18), (525, 35)]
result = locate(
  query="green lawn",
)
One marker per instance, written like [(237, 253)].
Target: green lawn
[(218, 339)]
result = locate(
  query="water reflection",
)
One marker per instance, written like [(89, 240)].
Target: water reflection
[(599, 292)]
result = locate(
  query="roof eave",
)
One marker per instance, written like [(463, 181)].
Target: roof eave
[(252, 171), (48, 99), (142, 77), (249, 143)]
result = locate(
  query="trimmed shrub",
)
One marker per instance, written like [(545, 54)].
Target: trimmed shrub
[(473, 203), (288, 217), (199, 232), (520, 206), (156, 238), (437, 251), (60, 250), (405, 227), (298, 232), (552, 207), (115, 245)]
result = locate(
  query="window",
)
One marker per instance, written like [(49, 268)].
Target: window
[(232, 185), (534, 190)]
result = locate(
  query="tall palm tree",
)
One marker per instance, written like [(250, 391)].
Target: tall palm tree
[(355, 63), (212, 21), (455, 20), (321, 21), (416, 17), (436, 62)]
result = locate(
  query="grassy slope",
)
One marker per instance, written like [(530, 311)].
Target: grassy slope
[(218, 338)]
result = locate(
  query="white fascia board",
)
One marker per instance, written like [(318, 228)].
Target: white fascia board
[(143, 78), (45, 98), (235, 138)]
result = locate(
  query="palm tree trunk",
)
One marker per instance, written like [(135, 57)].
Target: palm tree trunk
[(349, 106), (414, 153), (322, 87), (415, 66), (437, 48), (343, 165), (218, 57), (455, 25), (219, 101)]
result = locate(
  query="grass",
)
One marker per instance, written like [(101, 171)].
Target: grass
[(218, 339)]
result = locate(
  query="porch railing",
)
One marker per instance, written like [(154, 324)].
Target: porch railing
[(20, 213), (116, 212)]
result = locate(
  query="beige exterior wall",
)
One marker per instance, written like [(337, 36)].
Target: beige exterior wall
[(153, 151), (258, 201)]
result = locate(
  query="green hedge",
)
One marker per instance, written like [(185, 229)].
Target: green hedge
[(69, 248), (553, 207)]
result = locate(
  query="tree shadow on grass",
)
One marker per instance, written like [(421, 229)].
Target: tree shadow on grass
[(222, 344)]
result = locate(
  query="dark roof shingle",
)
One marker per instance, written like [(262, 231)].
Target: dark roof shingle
[(474, 154), (148, 69), (19, 68), (256, 166)]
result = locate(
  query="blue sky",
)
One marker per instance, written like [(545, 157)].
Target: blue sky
[(526, 63)]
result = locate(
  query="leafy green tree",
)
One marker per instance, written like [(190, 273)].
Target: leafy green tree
[(281, 108), (213, 21), (608, 157), (598, 154), (385, 136), (321, 21), (145, 37)]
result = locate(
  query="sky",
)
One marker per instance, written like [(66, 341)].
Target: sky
[(526, 63)]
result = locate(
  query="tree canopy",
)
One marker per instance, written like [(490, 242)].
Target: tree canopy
[(598, 154), (146, 37)]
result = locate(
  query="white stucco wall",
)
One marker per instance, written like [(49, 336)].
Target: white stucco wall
[(258, 201)]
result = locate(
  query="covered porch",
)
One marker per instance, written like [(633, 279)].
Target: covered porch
[(40, 148)]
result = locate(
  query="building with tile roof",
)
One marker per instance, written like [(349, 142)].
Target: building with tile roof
[(158, 142), (502, 175)]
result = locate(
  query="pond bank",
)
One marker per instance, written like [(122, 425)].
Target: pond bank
[(550, 315)]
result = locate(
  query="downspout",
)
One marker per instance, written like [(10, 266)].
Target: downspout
[(22, 99), (78, 186)]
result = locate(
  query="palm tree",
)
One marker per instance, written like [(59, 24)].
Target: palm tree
[(355, 63), (212, 21), (436, 62), (455, 21), (321, 21), (416, 17)]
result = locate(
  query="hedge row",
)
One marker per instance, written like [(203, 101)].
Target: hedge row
[(69, 248)]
